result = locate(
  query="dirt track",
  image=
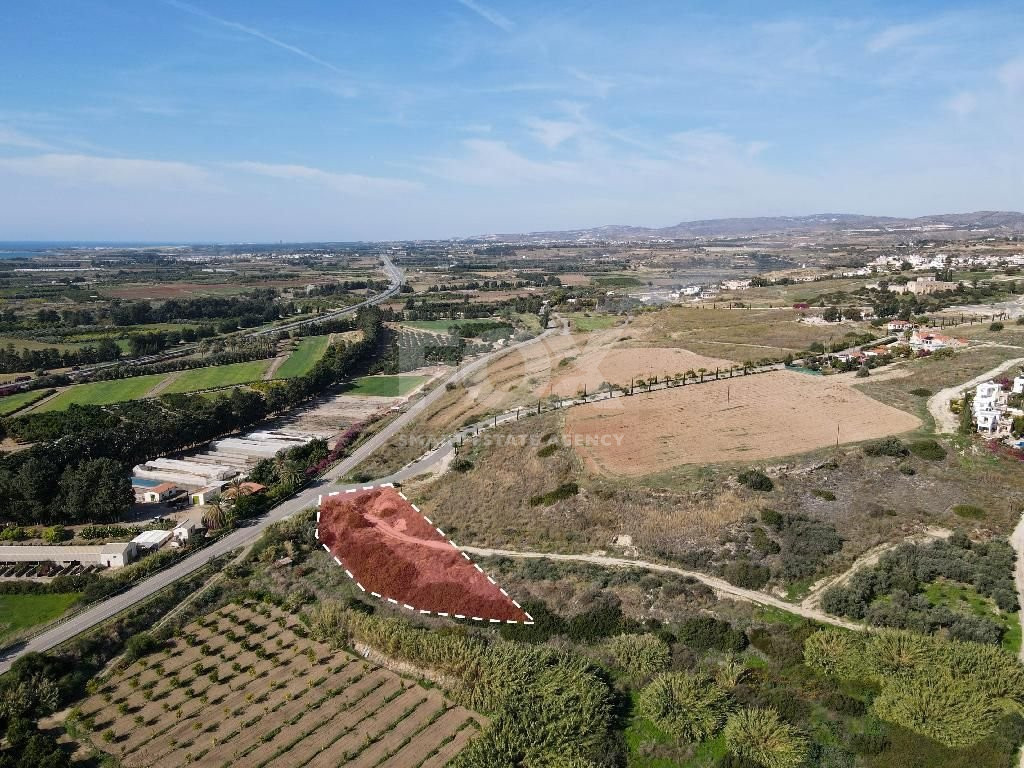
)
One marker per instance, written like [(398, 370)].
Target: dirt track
[(720, 586)]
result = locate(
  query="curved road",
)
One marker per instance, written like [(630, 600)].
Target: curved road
[(64, 631), (306, 498)]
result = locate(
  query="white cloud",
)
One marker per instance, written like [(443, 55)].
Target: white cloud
[(348, 183), (488, 14), (962, 103), (551, 133), (252, 32), (12, 138), (1011, 74), (494, 163), (894, 36), (83, 170), (600, 85)]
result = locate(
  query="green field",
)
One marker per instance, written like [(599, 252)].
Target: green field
[(10, 403), (218, 376), (103, 392), (385, 386), (305, 356), (19, 612), (586, 323)]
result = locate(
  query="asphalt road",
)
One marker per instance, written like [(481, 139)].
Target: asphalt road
[(306, 498)]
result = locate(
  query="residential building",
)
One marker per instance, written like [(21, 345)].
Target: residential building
[(159, 493), (930, 340)]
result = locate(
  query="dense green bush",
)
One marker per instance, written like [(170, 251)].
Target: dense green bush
[(746, 574), (690, 707), (547, 450), (639, 656), (888, 446), (564, 491), (890, 594), (951, 691), (702, 633), (759, 735), (928, 449), (756, 480)]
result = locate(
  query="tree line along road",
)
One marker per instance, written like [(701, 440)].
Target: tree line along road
[(90, 617)]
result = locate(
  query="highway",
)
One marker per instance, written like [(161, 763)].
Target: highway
[(252, 530)]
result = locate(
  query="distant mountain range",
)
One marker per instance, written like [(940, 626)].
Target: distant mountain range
[(1000, 222)]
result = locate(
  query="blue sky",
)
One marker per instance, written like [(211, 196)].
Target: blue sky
[(254, 120)]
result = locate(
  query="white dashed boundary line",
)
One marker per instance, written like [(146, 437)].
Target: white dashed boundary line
[(391, 600)]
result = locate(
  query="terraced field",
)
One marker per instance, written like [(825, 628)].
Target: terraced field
[(245, 687)]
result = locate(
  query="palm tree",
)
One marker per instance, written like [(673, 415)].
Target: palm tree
[(702, 371), (237, 488), (291, 474), (689, 375), (215, 515), (678, 377)]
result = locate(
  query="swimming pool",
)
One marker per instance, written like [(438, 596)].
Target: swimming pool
[(145, 482)]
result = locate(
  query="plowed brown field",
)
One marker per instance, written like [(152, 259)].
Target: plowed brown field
[(394, 552), (741, 419)]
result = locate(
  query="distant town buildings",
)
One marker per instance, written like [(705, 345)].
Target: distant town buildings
[(923, 286)]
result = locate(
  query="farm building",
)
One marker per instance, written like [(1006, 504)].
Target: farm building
[(181, 535), (159, 493), (206, 495), (151, 540), (223, 459), (114, 555)]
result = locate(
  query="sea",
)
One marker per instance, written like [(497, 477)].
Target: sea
[(29, 249)]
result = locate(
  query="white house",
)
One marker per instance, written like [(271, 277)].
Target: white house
[(899, 326), (1018, 385), (932, 341), (159, 493), (180, 536), (989, 409)]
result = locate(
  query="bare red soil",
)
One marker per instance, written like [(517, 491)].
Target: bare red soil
[(393, 551)]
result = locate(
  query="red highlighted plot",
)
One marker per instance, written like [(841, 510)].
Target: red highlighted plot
[(396, 554)]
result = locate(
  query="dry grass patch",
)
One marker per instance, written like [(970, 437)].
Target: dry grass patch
[(744, 335), (617, 365), (491, 503), (749, 418)]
